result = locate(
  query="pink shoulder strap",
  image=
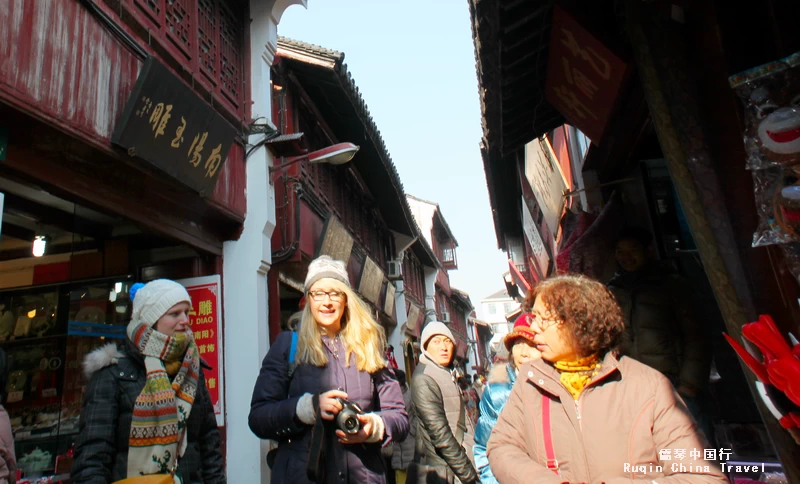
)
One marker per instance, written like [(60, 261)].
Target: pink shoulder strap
[(552, 462)]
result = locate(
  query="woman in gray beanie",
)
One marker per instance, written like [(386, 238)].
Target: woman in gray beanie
[(339, 358), (445, 436), (146, 404)]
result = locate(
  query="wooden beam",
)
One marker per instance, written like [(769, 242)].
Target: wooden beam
[(670, 88), (18, 232), (68, 222), (309, 103), (521, 21), (528, 55)]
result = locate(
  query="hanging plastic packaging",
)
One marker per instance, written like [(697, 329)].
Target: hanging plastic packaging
[(771, 98)]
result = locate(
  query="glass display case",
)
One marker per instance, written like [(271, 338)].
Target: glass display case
[(46, 333)]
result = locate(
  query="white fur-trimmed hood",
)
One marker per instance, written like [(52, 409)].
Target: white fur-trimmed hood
[(100, 358)]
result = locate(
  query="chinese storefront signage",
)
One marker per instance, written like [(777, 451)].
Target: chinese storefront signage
[(540, 254), (388, 307), (336, 240), (413, 318), (371, 281), (168, 125), (548, 185), (205, 320), (584, 77)]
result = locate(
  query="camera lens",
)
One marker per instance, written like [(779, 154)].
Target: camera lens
[(351, 425)]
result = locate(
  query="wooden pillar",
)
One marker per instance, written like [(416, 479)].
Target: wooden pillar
[(659, 49)]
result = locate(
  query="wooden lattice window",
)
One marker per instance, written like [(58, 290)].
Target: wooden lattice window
[(231, 37), (204, 38)]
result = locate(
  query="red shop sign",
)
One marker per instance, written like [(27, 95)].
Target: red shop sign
[(205, 320), (584, 77)]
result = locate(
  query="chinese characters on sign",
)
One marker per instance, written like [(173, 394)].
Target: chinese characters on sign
[(205, 320), (584, 77), (544, 175), (166, 124), (540, 254)]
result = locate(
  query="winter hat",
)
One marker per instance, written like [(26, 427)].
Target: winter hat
[(432, 329), (154, 299), (323, 267), (522, 329)]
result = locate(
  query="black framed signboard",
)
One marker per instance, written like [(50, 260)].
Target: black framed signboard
[(169, 126)]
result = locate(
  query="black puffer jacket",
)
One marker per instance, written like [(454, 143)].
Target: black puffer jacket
[(101, 450), (444, 440), (662, 330)]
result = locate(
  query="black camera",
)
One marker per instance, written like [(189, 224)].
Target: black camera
[(347, 419)]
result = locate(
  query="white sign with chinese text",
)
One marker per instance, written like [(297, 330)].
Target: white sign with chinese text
[(544, 174), (535, 239)]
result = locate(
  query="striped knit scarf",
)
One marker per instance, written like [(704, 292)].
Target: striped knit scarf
[(162, 408)]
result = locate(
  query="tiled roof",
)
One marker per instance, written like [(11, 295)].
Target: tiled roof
[(462, 295), (511, 40), (501, 294), (439, 214), (372, 131), (311, 48)]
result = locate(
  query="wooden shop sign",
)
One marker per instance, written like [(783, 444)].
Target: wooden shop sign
[(169, 126), (584, 77)]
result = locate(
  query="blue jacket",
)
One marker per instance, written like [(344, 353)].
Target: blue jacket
[(273, 415), (495, 395)]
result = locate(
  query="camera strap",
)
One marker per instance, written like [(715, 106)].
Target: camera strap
[(314, 468)]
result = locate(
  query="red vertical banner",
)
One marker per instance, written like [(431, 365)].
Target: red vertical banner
[(205, 320)]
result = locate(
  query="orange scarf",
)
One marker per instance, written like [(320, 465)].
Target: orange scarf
[(575, 375)]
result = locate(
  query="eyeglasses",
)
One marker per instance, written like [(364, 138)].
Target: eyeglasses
[(319, 296), (544, 324)]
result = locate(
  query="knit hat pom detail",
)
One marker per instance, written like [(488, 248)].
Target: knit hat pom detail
[(134, 289)]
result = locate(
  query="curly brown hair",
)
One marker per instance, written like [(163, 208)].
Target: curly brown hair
[(588, 309)]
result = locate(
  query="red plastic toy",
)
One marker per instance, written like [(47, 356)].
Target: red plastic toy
[(778, 374)]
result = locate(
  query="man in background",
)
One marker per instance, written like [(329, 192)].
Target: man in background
[(662, 330)]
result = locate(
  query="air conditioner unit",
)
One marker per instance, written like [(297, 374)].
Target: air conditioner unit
[(445, 317), (395, 270)]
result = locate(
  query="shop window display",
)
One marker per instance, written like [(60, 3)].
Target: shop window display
[(46, 333)]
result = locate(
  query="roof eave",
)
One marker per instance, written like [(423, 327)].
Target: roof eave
[(332, 61)]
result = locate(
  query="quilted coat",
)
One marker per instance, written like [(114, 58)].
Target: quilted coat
[(273, 415), (662, 330), (444, 436), (117, 376), (495, 395)]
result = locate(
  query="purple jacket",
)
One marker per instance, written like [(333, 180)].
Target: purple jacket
[(273, 415)]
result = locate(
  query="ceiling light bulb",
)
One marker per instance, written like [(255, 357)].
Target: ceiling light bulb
[(39, 244)]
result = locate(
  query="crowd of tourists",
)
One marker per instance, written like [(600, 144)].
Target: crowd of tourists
[(591, 389)]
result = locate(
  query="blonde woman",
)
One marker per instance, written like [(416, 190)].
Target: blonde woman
[(339, 358)]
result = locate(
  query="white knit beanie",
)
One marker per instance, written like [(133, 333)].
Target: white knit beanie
[(155, 298), (323, 267), (432, 329)]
